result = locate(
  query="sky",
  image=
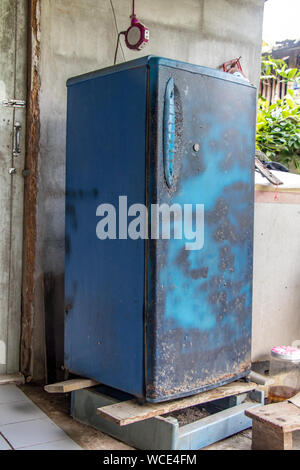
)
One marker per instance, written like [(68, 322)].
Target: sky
[(281, 20)]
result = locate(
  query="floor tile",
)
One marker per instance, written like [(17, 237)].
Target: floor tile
[(12, 394), (30, 433), (66, 444), (17, 412), (3, 444)]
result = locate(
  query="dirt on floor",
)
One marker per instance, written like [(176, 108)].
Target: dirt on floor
[(188, 415), (57, 407)]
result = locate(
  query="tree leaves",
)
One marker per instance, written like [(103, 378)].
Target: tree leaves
[(278, 124), (274, 68), (278, 130)]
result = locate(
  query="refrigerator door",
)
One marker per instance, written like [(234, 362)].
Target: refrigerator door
[(198, 317), (104, 285)]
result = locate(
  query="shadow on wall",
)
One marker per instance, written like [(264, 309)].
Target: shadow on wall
[(54, 326)]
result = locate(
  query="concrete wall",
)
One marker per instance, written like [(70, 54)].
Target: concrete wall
[(276, 290), (77, 37), (276, 300)]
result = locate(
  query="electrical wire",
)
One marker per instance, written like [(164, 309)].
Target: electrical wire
[(122, 32), (117, 47)]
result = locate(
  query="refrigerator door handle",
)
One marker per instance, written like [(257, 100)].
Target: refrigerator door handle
[(169, 132)]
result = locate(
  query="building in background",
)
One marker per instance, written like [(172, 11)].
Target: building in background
[(288, 51)]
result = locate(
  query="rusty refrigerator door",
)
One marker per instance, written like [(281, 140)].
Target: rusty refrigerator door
[(201, 151)]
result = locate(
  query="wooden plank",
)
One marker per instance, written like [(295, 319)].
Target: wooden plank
[(284, 416), (267, 174), (70, 385), (295, 400), (128, 412), (16, 379), (266, 437)]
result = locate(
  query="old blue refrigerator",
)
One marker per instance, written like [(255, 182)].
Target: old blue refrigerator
[(147, 316)]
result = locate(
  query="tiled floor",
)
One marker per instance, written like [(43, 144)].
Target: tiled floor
[(24, 426)]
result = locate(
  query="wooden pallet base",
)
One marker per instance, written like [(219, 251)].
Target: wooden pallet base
[(130, 411), (165, 433), (70, 385)]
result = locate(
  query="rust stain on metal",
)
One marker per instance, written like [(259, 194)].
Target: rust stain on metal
[(30, 195), (159, 388)]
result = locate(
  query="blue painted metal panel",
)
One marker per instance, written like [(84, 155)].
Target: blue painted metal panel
[(199, 302), (106, 135), (217, 427)]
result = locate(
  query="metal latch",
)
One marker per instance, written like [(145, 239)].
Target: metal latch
[(13, 103)]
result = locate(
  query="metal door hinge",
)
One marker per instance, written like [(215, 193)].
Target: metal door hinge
[(14, 103)]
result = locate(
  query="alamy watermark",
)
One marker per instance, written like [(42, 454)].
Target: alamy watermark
[(180, 222)]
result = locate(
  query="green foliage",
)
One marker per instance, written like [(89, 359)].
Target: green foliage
[(278, 130), (278, 124), (275, 68)]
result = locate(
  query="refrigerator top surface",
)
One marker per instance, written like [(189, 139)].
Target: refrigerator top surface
[(151, 61)]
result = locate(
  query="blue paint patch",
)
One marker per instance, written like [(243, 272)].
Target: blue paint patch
[(203, 298)]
